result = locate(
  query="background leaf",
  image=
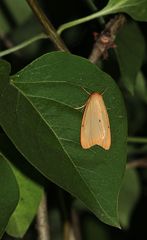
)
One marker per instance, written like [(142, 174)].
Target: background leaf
[(9, 193), (129, 196), (30, 197), (130, 61), (93, 229), (38, 113), (21, 13), (4, 26), (141, 87)]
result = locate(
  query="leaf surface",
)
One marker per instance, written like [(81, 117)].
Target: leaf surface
[(131, 189), (130, 53), (30, 197), (9, 193)]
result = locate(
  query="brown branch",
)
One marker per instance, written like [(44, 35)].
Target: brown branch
[(48, 27), (68, 233), (140, 163), (75, 224), (106, 38), (42, 220), (7, 42)]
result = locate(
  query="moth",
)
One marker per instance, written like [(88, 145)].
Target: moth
[(95, 127)]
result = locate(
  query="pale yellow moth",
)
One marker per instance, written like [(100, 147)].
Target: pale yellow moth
[(95, 127)]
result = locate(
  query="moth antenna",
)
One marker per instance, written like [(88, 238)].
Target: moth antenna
[(104, 91), (86, 91), (77, 108)]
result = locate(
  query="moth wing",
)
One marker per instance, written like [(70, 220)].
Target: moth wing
[(95, 128)]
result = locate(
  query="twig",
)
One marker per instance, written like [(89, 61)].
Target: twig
[(42, 220), (6, 41), (68, 232), (106, 38), (140, 163), (76, 224), (48, 27)]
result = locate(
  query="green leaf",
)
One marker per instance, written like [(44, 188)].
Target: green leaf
[(136, 9), (8, 186), (38, 112), (9, 193), (30, 197), (131, 189), (130, 53)]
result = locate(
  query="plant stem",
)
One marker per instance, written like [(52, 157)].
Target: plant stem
[(23, 44), (137, 140), (42, 220), (140, 163), (48, 27), (94, 9), (76, 22)]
